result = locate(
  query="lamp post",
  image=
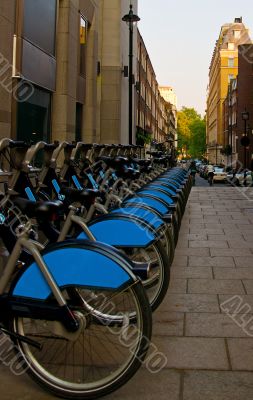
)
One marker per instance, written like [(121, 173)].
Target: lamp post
[(130, 19), (245, 141)]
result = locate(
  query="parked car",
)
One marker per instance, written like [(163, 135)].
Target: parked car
[(238, 179), (198, 165), (220, 174)]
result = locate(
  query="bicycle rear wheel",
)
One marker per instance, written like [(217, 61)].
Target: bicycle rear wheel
[(156, 285), (101, 356)]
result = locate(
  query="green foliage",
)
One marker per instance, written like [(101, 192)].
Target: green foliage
[(191, 132), (142, 137)]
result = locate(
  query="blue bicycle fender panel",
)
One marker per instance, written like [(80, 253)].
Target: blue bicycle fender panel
[(167, 190), (159, 195), (166, 185), (148, 216), (172, 180), (167, 180), (71, 266), (121, 232), (155, 204)]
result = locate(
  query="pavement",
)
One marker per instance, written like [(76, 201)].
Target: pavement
[(204, 327)]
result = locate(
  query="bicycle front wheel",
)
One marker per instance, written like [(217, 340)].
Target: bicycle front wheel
[(101, 356)]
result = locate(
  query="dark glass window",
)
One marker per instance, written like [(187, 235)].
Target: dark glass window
[(83, 41), (79, 117), (40, 23), (34, 116)]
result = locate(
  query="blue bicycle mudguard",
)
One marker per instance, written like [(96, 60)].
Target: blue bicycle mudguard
[(121, 231), (169, 181), (166, 185), (172, 176), (81, 264), (163, 188), (151, 202), (148, 216), (168, 200)]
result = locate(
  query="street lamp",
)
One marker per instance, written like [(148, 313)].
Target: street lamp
[(130, 19), (245, 141)]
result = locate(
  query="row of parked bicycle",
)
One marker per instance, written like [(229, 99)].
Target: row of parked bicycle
[(90, 232)]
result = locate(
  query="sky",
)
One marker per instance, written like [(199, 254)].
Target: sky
[(180, 38)]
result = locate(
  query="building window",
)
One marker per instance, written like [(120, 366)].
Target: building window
[(79, 118), (237, 34), (39, 23), (34, 116), (83, 42), (231, 46), (231, 62)]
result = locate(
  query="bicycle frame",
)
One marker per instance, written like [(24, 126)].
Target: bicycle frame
[(33, 247)]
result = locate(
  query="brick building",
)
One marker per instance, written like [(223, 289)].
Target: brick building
[(223, 68), (239, 104), (63, 73)]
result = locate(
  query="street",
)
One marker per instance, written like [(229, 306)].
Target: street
[(199, 182)]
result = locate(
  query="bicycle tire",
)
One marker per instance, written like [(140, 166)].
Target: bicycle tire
[(74, 390), (157, 284)]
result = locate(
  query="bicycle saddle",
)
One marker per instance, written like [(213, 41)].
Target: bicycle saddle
[(109, 161), (142, 162), (18, 144), (38, 209), (85, 196)]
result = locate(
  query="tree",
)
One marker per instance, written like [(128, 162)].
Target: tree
[(197, 144), (191, 132)]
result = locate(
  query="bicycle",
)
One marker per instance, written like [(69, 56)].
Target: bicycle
[(68, 309), (141, 245)]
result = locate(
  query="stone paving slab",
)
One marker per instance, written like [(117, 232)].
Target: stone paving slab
[(241, 244), (241, 353), (244, 261), (180, 261), (246, 299), (197, 251), (232, 273), (218, 286), (219, 244), (178, 286), (248, 284), (193, 272), (191, 303), (228, 236), (230, 252), (211, 261), (20, 387), (217, 385), (193, 353), (207, 231), (212, 325), (145, 385)]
